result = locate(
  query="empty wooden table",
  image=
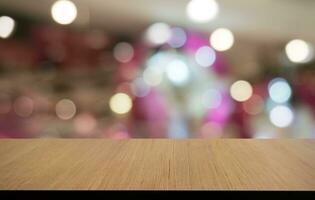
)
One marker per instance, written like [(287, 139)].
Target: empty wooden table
[(157, 164)]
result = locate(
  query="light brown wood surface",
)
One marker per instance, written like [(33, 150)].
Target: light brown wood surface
[(157, 164)]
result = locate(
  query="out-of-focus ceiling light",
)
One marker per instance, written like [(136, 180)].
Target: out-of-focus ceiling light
[(7, 25), (299, 51), (222, 39), (202, 11), (158, 33), (64, 12)]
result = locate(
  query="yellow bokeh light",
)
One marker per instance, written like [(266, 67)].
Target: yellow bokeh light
[(222, 39), (120, 103), (241, 90)]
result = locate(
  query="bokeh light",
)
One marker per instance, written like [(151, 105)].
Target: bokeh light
[(120, 103), (64, 12), (158, 33), (202, 11), (65, 109), (299, 51), (140, 88), (84, 123), (177, 72), (7, 25), (281, 116), (23, 106), (205, 56), (123, 52), (241, 90), (279, 90), (222, 39), (178, 37)]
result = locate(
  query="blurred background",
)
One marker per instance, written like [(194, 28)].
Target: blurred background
[(157, 69)]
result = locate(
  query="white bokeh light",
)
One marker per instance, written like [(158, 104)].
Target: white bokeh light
[(299, 51), (222, 39), (64, 12), (202, 11), (140, 88), (158, 33), (123, 52), (7, 25), (281, 116), (205, 56), (241, 90), (65, 109), (279, 90), (177, 72), (178, 38)]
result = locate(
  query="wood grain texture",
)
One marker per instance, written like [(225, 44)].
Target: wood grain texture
[(157, 164)]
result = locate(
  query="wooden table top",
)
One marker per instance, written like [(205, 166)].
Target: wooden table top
[(157, 164)]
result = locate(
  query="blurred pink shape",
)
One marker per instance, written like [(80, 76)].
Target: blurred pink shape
[(220, 66), (194, 42), (221, 113), (84, 124), (120, 135), (152, 110), (151, 107), (211, 130)]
